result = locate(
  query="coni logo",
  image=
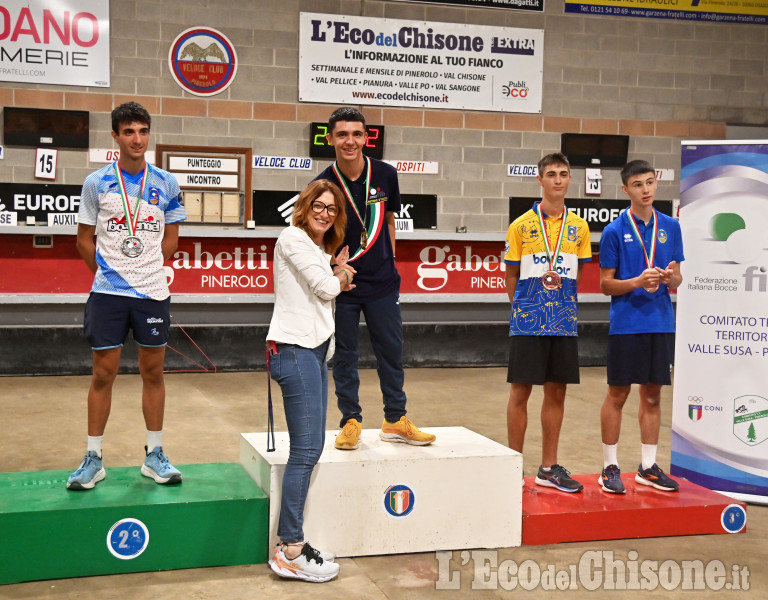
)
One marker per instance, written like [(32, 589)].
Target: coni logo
[(695, 408)]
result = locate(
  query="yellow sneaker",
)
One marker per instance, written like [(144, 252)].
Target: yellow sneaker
[(405, 431), (349, 437)]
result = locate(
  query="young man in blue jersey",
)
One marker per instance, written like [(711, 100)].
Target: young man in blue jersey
[(640, 256), (373, 197), (546, 249), (133, 210)]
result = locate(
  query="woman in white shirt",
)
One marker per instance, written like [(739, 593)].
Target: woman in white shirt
[(300, 341)]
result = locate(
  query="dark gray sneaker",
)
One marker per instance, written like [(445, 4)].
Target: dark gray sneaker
[(559, 478), (657, 478), (610, 480)]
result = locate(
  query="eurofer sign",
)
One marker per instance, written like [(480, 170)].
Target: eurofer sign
[(42, 202), (597, 212)]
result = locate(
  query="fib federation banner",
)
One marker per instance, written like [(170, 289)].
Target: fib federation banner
[(720, 411)]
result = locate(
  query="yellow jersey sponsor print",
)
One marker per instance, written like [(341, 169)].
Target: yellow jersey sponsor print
[(536, 310)]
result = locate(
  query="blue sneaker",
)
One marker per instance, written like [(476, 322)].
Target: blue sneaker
[(610, 480), (559, 478), (158, 468), (88, 474)]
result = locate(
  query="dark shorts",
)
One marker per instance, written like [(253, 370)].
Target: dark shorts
[(538, 359), (640, 358), (109, 317)]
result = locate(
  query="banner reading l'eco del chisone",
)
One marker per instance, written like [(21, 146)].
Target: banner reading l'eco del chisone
[(388, 62), (720, 412)]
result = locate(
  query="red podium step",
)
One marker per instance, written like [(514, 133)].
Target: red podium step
[(552, 517)]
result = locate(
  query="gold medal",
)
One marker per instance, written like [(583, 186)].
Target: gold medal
[(364, 239)]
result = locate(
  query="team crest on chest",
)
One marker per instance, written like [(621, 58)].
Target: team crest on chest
[(376, 195)]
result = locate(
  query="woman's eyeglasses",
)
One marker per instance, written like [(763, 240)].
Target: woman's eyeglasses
[(318, 207)]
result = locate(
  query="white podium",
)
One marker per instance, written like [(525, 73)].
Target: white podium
[(462, 491)]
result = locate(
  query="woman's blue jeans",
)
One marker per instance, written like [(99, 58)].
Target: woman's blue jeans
[(303, 377)]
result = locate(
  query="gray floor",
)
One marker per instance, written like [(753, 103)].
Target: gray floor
[(43, 424)]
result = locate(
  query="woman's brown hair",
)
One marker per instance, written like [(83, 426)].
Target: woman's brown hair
[(303, 208)]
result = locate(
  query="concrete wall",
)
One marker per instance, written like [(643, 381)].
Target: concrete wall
[(655, 80)]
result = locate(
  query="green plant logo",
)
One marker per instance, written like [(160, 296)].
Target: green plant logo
[(750, 419)]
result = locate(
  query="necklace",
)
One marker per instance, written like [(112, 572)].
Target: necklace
[(131, 245), (344, 188), (551, 279)]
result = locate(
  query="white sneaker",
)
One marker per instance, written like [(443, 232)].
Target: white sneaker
[(329, 556), (309, 565)]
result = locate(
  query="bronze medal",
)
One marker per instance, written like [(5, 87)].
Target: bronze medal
[(364, 239), (551, 281)]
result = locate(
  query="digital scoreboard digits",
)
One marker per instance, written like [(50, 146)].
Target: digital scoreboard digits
[(320, 148), (374, 146)]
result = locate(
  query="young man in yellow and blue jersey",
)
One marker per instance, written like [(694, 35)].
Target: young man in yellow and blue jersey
[(546, 249)]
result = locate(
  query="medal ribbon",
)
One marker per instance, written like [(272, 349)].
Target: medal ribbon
[(550, 257), (131, 220), (348, 194), (649, 257)]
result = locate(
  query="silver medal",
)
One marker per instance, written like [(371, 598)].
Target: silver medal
[(132, 246)]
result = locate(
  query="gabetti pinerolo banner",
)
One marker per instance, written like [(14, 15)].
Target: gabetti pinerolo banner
[(720, 413), (388, 62), (55, 41)]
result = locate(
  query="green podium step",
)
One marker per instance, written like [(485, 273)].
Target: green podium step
[(217, 516)]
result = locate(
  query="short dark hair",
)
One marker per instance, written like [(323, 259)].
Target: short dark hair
[(556, 158), (636, 167), (130, 112), (345, 113)]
